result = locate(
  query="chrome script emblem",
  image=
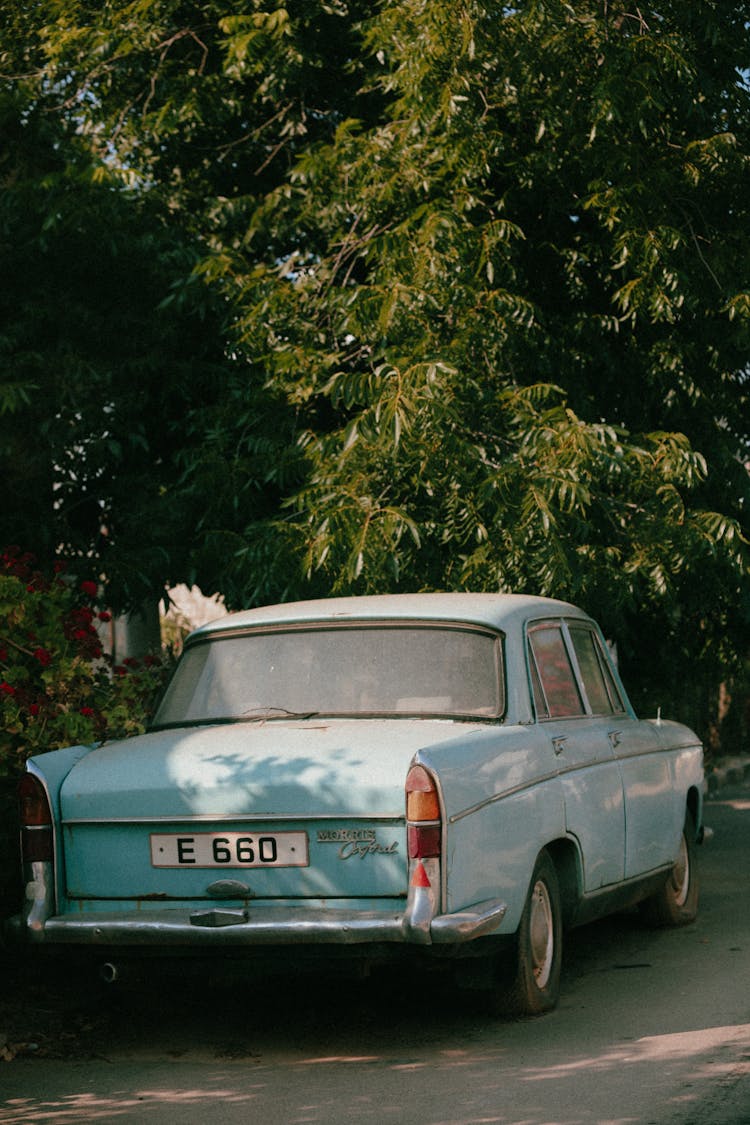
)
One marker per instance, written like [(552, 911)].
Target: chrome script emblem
[(359, 842)]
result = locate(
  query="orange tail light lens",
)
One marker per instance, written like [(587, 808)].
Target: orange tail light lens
[(421, 795)]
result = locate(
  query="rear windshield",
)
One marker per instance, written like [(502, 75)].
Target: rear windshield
[(359, 670)]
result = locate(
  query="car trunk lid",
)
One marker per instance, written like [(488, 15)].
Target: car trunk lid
[(274, 810)]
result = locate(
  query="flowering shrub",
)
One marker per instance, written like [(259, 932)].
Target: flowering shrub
[(57, 686)]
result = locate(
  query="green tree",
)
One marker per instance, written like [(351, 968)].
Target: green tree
[(521, 337), (487, 279), (106, 349), (138, 138)]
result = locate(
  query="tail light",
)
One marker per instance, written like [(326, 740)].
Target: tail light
[(36, 820), (422, 814)]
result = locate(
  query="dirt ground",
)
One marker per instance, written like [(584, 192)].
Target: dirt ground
[(47, 1017)]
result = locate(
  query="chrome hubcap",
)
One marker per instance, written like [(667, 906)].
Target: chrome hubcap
[(541, 934)]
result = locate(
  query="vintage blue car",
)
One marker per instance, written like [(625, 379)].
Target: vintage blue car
[(456, 777)]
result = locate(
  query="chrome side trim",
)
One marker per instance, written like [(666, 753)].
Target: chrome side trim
[(228, 818), (511, 792), (657, 750), (624, 884), (553, 774)]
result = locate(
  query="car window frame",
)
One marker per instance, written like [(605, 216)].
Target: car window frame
[(436, 624), (617, 706), (565, 626)]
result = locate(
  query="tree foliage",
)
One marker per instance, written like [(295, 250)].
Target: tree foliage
[(106, 348), (136, 143), (484, 286), (519, 344)]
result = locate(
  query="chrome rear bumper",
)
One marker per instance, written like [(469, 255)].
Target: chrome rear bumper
[(267, 925), (253, 924)]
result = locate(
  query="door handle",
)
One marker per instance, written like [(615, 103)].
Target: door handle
[(614, 738), (558, 744)]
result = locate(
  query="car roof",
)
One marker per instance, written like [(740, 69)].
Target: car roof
[(499, 611)]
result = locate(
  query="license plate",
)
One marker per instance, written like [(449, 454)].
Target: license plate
[(229, 849)]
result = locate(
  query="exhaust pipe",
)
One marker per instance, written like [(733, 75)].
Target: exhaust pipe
[(109, 972)]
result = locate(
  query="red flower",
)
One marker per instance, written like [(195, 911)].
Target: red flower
[(3, 654), (7, 688), (89, 588), (88, 712), (104, 616), (34, 709), (43, 656)]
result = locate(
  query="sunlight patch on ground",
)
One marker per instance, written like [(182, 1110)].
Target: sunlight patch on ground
[(89, 1107), (681, 1045), (687, 1043), (327, 1059)]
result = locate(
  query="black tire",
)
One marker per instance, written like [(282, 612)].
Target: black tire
[(676, 903), (532, 977)]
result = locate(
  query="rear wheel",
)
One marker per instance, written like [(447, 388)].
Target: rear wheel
[(676, 903), (530, 981)]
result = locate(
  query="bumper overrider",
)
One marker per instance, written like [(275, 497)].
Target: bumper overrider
[(418, 924)]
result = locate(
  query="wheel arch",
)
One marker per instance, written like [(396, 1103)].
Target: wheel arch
[(694, 805), (565, 856)]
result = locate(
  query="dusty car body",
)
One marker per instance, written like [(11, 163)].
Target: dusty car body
[(455, 776)]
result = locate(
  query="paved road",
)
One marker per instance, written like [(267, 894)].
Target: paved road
[(653, 1029)]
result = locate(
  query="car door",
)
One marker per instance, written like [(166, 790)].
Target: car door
[(585, 760), (648, 785)]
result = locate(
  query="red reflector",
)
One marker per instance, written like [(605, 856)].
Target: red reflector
[(424, 843), (419, 878), (36, 845)]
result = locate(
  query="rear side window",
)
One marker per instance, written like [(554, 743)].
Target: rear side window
[(553, 680), (600, 688)]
